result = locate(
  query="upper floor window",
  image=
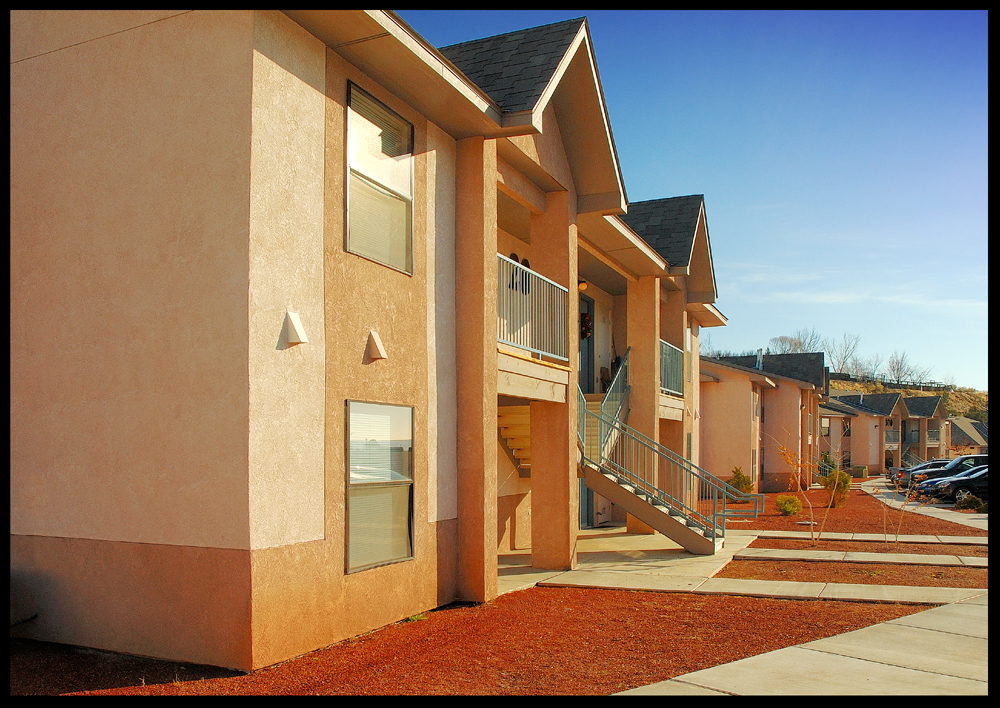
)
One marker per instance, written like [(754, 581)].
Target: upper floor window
[(824, 426), (847, 427), (380, 182)]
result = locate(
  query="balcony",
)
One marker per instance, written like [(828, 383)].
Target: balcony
[(891, 439), (933, 437), (531, 310), (671, 369)]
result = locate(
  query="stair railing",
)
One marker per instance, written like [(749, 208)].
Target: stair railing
[(659, 475)]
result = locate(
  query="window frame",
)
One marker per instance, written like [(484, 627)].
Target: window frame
[(410, 483), (349, 172)]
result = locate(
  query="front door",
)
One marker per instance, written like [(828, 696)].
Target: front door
[(586, 506), (586, 344)]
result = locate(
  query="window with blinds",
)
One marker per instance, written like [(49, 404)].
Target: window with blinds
[(380, 182), (380, 484)]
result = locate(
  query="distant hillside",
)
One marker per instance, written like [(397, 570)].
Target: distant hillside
[(963, 402)]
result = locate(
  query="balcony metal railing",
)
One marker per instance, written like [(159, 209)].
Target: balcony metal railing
[(531, 310), (933, 437), (671, 369), (892, 437)]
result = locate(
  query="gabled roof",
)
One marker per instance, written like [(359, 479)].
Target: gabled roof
[(809, 367), (922, 406), (514, 68), (754, 375), (834, 407), (668, 225), (528, 71), (966, 431), (839, 404), (882, 403)]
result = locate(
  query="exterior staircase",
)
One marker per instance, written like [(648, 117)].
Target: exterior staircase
[(654, 484), (514, 427)]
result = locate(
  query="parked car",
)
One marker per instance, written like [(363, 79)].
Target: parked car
[(959, 464), (959, 488), (903, 476), (892, 473), (934, 487)]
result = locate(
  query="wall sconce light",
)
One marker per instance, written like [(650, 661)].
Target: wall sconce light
[(374, 348), (294, 331), (581, 285)]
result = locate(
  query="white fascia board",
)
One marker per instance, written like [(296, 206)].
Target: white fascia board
[(430, 56), (583, 38)]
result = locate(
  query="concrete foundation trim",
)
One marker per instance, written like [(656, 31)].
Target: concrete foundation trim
[(183, 603)]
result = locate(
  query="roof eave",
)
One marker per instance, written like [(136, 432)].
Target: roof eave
[(382, 45)]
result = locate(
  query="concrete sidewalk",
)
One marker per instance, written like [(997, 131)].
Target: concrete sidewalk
[(944, 650), (941, 651)]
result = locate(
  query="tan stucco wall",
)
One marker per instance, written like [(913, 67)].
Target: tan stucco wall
[(442, 373), (727, 424), (302, 596), (286, 274), (782, 427), (130, 183)]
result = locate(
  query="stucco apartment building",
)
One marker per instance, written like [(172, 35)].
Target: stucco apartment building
[(309, 318), (901, 430), (761, 412)]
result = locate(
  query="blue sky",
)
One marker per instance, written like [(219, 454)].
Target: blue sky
[(842, 155)]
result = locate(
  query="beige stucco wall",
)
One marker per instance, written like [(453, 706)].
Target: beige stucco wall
[(727, 424), (442, 372), (302, 596), (286, 381), (782, 427), (130, 183)]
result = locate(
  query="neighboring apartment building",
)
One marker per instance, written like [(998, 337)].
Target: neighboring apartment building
[(759, 410), (265, 310), (968, 437), (915, 428), (853, 435)]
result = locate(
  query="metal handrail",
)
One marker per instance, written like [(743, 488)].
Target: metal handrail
[(617, 393), (531, 310), (662, 475), (671, 368)]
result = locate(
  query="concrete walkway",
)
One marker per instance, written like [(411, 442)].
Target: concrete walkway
[(938, 651)]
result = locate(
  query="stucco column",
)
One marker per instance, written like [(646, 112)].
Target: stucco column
[(555, 489), (643, 324), (476, 353)]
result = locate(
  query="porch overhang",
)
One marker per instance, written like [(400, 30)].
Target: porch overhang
[(706, 314)]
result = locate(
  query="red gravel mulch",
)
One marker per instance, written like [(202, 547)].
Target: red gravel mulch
[(554, 641), (862, 513), (935, 549), (928, 576)]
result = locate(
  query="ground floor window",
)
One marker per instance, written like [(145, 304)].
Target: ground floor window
[(380, 484)]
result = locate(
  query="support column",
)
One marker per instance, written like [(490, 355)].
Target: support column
[(555, 487), (476, 352), (643, 317)]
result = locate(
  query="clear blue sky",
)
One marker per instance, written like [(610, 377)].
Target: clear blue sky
[(842, 155)]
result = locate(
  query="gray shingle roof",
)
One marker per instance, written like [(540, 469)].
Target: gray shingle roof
[(835, 407), (922, 406), (514, 68), (965, 431), (809, 367), (668, 225), (883, 403)]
